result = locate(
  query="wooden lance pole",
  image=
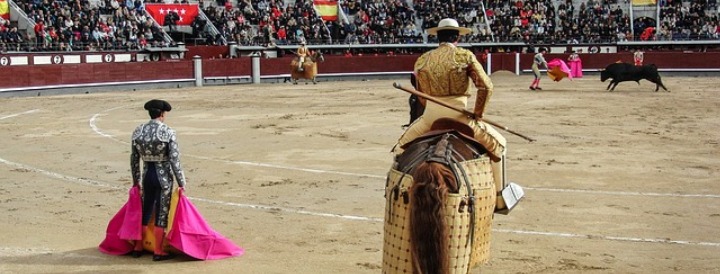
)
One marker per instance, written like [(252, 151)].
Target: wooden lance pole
[(461, 110)]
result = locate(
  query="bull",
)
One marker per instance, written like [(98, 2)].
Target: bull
[(621, 72)]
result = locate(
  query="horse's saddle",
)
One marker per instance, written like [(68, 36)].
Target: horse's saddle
[(449, 141)]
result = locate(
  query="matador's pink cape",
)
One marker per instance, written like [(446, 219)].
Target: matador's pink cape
[(125, 226), (189, 234), (557, 70), (193, 236)]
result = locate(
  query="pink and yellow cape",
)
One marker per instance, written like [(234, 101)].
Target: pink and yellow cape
[(189, 234)]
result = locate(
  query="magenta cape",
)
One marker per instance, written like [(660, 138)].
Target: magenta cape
[(189, 234), (576, 68), (125, 226), (193, 236), (557, 70)]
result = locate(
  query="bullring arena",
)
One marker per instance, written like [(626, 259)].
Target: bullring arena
[(617, 182)]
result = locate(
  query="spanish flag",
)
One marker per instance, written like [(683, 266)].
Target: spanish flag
[(327, 9), (4, 10)]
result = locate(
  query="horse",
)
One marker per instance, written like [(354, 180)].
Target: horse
[(442, 223), (309, 67)]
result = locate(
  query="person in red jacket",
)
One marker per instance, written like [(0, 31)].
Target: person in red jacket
[(39, 32)]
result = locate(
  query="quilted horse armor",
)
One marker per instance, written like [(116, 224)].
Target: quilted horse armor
[(468, 209)]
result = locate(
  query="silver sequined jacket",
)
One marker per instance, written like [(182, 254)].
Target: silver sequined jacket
[(155, 143)]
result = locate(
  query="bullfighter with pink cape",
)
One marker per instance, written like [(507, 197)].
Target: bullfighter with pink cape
[(575, 65), (189, 233)]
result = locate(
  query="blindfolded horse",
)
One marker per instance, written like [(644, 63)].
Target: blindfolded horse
[(309, 67), (440, 198)]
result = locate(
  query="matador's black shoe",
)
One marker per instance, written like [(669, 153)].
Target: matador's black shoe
[(165, 257), (136, 253)]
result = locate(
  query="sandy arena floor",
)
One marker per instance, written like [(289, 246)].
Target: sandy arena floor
[(621, 182)]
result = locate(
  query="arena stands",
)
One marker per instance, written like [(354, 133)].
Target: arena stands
[(89, 25)]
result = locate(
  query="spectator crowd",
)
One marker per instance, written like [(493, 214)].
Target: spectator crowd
[(66, 25)]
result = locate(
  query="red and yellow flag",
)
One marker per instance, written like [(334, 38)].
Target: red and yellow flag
[(644, 2), (327, 9), (4, 10)]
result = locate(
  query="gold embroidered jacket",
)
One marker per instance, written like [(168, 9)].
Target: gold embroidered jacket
[(445, 71), (302, 51)]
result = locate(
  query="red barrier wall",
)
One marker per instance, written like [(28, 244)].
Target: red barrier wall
[(48, 75), (84, 73), (226, 67), (341, 64), (207, 52), (502, 61)]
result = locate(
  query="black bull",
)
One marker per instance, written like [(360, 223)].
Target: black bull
[(621, 72)]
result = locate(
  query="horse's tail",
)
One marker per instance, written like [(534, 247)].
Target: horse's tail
[(428, 229)]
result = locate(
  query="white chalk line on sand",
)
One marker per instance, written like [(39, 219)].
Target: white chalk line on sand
[(342, 216), (625, 193), (320, 171), (10, 251), (18, 114), (59, 176), (611, 238), (355, 217)]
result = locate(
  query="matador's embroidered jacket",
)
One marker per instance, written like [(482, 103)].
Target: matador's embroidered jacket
[(155, 143)]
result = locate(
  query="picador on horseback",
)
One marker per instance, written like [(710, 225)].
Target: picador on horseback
[(301, 53), (304, 65), (448, 166)]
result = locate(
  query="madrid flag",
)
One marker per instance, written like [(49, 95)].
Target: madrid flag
[(186, 12), (327, 9), (4, 10)]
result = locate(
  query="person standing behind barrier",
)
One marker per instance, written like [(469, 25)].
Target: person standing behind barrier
[(155, 143), (538, 60), (638, 57), (444, 73), (302, 52), (575, 65), (39, 29)]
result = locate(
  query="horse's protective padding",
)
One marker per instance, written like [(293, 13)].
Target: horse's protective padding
[(467, 248), (480, 173), (307, 64)]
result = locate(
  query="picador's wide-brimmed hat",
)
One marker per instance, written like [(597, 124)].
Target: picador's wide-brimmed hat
[(448, 24), (161, 105)]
